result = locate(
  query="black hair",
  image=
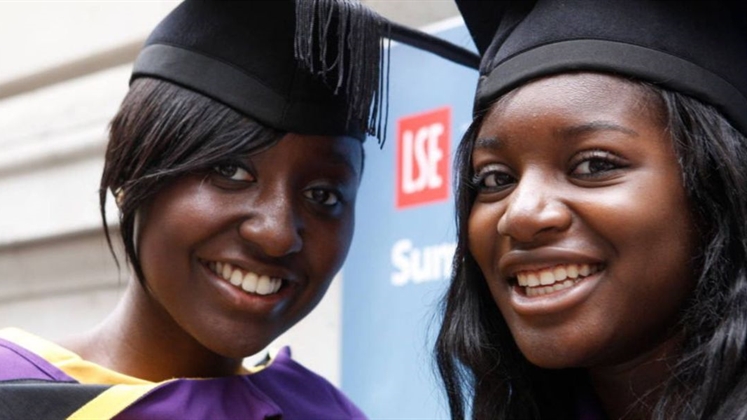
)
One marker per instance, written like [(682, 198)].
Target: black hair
[(160, 132), (485, 375), (710, 380)]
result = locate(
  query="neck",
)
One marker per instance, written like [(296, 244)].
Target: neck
[(140, 339), (631, 390)]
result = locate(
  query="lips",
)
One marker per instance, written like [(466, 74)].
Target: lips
[(247, 281), (553, 279)]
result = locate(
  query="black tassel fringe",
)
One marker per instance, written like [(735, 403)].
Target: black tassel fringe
[(360, 66)]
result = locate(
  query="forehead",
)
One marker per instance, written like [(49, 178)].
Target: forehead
[(577, 97), (317, 150)]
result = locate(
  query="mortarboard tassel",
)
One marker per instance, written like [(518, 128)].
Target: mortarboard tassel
[(359, 59)]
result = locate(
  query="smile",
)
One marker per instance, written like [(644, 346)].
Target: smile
[(549, 280), (245, 280)]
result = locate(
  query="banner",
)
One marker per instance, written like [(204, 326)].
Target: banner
[(400, 260)]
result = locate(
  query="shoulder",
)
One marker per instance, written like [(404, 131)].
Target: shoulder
[(294, 387), (18, 362)]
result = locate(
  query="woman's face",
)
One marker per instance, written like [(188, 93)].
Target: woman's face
[(238, 254), (581, 224)]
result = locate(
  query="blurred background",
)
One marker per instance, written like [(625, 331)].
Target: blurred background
[(64, 67)]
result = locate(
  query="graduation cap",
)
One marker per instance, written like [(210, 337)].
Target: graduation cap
[(302, 66), (694, 47)]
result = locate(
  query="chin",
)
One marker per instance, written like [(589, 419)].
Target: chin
[(242, 352), (548, 361), (238, 346), (552, 357)]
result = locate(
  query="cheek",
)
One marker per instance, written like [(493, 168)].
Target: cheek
[(657, 227), (327, 245), (664, 250), (652, 238), (172, 225), (482, 234)]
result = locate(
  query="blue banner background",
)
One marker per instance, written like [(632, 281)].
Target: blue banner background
[(388, 330)]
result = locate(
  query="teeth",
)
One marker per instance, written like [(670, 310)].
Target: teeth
[(248, 282), (560, 273), (522, 279), (537, 283), (584, 270), (546, 277), (267, 285), (532, 280), (264, 286), (236, 278)]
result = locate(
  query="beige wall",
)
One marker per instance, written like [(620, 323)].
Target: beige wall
[(63, 72)]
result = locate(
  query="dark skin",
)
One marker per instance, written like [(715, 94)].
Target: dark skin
[(577, 171), (630, 390), (285, 214)]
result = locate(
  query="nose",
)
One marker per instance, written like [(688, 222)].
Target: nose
[(273, 224), (535, 208)]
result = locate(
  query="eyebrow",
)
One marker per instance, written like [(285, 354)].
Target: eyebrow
[(488, 143), (595, 126), (572, 131), (342, 159)]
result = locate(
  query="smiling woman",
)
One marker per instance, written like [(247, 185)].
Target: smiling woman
[(278, 225), (215, 163), (235, 161), (580, 157), (601, 205)]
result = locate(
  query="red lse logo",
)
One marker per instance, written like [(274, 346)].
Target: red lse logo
[(423, 150)]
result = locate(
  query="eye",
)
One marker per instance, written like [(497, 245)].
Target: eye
[(596, 163), (322, 196), (592, 166), (233, 172), (492, 178)]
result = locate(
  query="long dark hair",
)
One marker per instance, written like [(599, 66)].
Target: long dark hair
[(163, 131), (485, 375)]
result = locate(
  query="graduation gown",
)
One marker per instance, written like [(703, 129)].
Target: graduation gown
[(39, 379)]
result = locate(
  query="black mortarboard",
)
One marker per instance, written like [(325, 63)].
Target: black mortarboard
[(695, 47), (302, 66)]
